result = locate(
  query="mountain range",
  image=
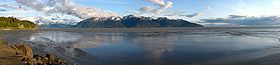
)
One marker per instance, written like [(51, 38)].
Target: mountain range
[(132, 21)]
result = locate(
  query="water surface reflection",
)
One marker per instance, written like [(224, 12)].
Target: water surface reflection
[(140, 48)]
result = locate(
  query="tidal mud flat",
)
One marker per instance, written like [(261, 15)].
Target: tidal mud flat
[(166, 46), (22, 54)]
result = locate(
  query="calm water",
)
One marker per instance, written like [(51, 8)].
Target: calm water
[(177, 46)]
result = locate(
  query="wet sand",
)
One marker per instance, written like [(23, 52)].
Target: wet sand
[(267, 60), (8, 56), (22, 54)]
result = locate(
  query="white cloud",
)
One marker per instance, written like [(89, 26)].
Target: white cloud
[(147, 9), (18, 7), (59, 6), (51, 11), (160, 7), (51, 20), (194, 15), (65, 7), (164, 7), (158, 2)]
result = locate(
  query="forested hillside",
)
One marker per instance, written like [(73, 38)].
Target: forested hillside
[(13, 23)]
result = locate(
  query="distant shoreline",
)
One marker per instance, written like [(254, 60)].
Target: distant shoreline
[(174, 29), (145, 28), (169, 27), (187, 29)]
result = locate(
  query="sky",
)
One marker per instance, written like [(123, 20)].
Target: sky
[(197, 11), (218, 8)]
